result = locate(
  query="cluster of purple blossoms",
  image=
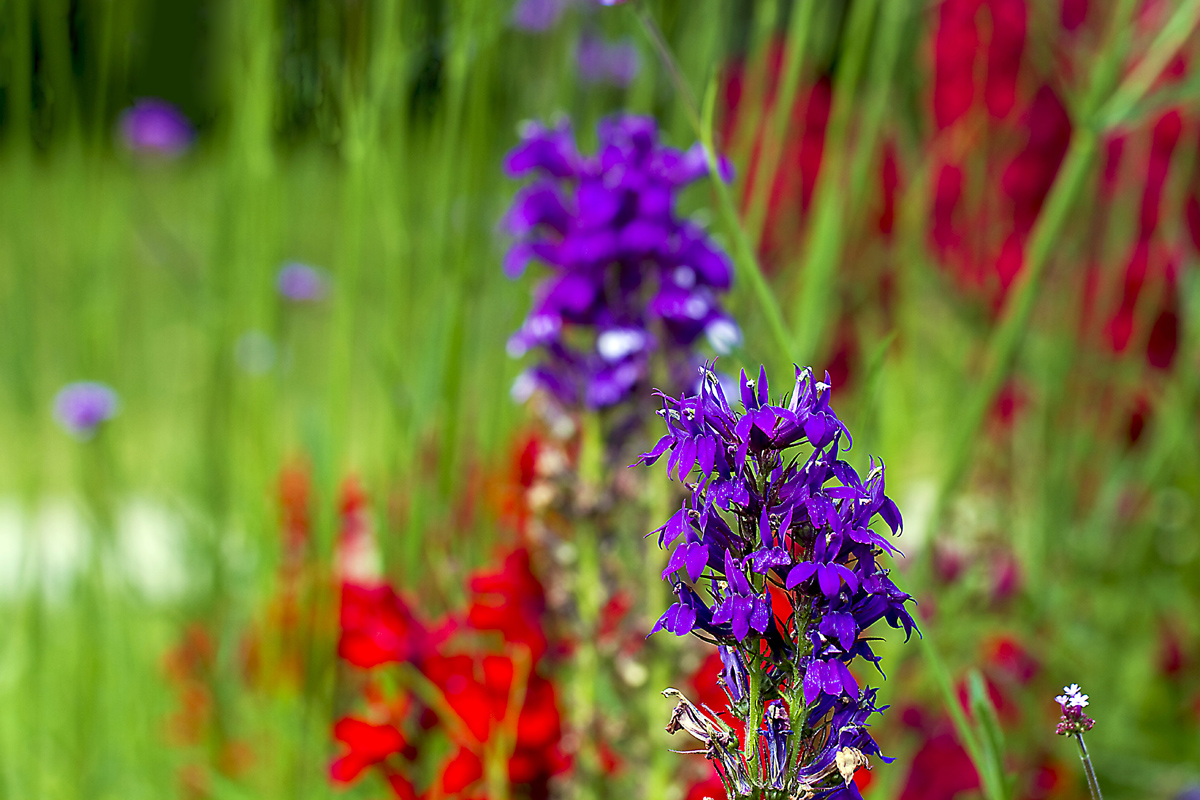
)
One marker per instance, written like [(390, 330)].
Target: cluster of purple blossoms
[(629, 278), (776, 564), (1074, 719)]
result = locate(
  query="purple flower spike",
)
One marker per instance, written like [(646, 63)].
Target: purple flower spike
[(81, 407), (156, 127), (301, 283), (791, 562), (627, 278)]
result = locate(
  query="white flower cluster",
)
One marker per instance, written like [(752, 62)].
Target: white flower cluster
[(1072, 697)]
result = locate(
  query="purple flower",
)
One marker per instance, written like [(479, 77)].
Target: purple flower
[(627, 277), (81, 407), (600, 61), (156, 127), (301, 283), (772, 504), (537, 16)]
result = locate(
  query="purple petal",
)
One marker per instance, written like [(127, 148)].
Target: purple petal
[(800, 573)]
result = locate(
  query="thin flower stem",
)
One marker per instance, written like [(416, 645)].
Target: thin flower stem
[(744, 258), (1088, 770), (655, 35)]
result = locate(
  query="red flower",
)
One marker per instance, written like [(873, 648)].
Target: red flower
[(1028, 178), (1120, 327), (1004, 56), (479, 692), (1162, 146), (368, 745), (889, 180), (1012, 659), (1163, 343), (945, 233), (940, 770), (956, 46), (1073, 14), (377, 627), (511, 601)]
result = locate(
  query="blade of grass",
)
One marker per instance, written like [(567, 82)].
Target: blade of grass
[(826, 235), (780, 115)]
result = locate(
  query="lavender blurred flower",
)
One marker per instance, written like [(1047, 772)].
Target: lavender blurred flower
[(81, 407), (783, 546), (301, 283), (628, 277), (156, 127), (600, 61), (537, 16)]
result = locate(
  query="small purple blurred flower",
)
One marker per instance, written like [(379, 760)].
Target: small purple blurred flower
[(156, 127), (537, 16), (80, 407), (301, 283), (599, 61)]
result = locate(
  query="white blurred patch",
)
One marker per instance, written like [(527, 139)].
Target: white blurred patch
[(150, 549), (616, 344), (723, 335), (254, 353), (60, 546), (917, 509)]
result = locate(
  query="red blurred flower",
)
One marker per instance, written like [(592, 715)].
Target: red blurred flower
[(368, 745), (1008, 655), (889, 180), (956, 46), (1120, 327), (377, 627), (1162, 146), (1073, 14), (940, 770), (1164, 333), (510, 600), (1028, 178), (948, 191), (1004, 55)]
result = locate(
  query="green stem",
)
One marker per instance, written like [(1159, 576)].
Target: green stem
[(815, 295), (744, 259), (1088, 770), (781, 114), (993, 787)]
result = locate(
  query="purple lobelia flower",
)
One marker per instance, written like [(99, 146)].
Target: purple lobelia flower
[(301, 283), (600, 61), (777, 532), (81, 407), (629, 280), (156, 127)]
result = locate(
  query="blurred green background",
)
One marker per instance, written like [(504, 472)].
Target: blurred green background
[(1049, 478)]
